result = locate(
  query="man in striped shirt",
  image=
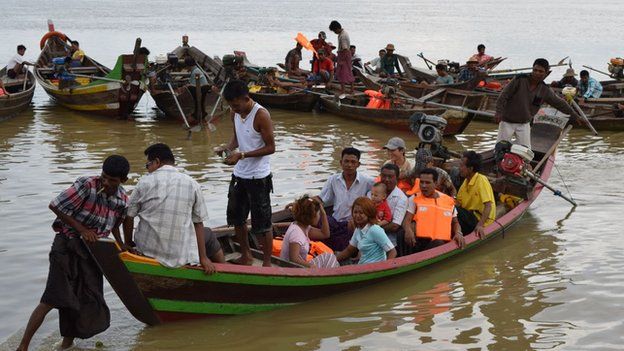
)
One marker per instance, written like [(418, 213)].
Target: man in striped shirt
[(92, 208)]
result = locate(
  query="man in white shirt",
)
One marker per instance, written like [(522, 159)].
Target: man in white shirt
[(375, 64), (16, 64), (397, 201), (171, 209), (341, 190)]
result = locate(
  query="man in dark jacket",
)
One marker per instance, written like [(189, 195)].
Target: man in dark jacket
[(521, 100)]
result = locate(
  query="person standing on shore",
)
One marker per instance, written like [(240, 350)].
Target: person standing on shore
[(344, 72), (251, 184), (92, 208)]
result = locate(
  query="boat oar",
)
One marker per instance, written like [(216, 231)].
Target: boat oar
[(134, 82), (428, 62), (211, 126), (559, 64), (602, 72), (527, 173), (25, 79), (583, 116), (196, 128), (449, 107)]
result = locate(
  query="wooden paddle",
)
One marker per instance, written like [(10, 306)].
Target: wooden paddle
[(584, 117), (559, 64), (211, 126), (134, 82), (196, 128), (602, 72)]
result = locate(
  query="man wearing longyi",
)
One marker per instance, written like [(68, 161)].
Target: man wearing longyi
[(91, 208), (251, 184)]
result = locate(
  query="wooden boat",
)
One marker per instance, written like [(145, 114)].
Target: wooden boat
[(20, 91), (176, 73), (398, 117), (429, 75), (155, 294), (108, 92)]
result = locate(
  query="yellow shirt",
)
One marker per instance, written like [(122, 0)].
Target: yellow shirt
[(78, 55), (474, 194)]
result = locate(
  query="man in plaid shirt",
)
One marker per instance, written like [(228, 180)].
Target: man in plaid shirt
[(91, 208)]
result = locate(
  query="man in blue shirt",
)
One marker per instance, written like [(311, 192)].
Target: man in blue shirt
[(589, 88)]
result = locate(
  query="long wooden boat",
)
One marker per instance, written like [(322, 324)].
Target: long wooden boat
[(155, 294), (354, 107), (109, 92), (429, 75), (20, 95), (177, 74)]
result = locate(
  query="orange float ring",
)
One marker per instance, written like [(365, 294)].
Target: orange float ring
[(49, 35)]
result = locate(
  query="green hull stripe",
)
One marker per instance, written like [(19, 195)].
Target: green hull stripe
[(271, 280), (164, 305)]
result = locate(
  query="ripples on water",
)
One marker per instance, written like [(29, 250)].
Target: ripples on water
[(553, 282)]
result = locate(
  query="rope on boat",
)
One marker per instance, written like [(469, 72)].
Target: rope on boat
[(558, 193)]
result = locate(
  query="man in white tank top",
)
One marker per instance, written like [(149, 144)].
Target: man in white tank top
[(251, 182)]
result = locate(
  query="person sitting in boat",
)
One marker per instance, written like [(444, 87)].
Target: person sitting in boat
[(4, 94), (271, 79), (431, 218), (375, 64), (521, 99), (369, 239), (171, 211), (356, 60), (443, 77), (567, 80), (423, 160), (292, 60), (340, 190), (389, 175), (389, 62), (91, 208), (395, 148), (322, 69), (61, 72), (307, 213), (15, 66), (476, 207), (77, 54), (192, 83), (470, 71), (378, 195), (481, 57), (588, 87)]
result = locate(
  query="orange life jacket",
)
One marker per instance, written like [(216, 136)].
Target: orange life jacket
[(434, 216), (377, 100), (316, 248), (415, 188), (402, 184)]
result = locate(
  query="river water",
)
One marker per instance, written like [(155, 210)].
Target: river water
[(553, 281)]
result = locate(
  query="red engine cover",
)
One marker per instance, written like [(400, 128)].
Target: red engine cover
[(511, 163)]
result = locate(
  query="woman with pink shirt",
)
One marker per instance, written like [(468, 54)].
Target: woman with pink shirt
[(296, 244)]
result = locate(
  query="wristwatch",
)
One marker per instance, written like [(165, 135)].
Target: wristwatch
[(242, 156)]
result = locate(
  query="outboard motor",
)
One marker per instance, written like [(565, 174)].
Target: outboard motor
[(616, 67), (428, 127), (516, 160)]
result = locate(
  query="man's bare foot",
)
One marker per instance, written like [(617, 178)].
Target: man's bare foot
[(243, 261)]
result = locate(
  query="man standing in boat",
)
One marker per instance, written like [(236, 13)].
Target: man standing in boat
[(251, 184), (521, 100), (344, 66), (341, 190), (172, 212), (91, 208)]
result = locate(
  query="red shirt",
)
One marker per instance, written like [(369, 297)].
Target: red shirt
[(326, 64), (383, 212)]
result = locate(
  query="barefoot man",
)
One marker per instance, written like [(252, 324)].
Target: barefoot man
[(251, 182)]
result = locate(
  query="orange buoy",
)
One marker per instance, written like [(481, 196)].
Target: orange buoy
[(49, 35)]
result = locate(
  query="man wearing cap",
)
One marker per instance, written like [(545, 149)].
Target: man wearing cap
[(470, 71), (389, 62), (396, 152), (344, 72), (567, 80), (520, 101)]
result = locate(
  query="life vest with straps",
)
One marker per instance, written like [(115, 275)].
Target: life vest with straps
[(433, 216), (316, 248), (377, 100)]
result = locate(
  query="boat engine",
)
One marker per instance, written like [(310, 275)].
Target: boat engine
[(616, 67), (516, 160), (428, 127)]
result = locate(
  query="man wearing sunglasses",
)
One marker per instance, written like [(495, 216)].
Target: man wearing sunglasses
[(171, 211)]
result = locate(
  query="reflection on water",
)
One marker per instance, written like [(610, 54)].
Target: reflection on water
[(553, 282)]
